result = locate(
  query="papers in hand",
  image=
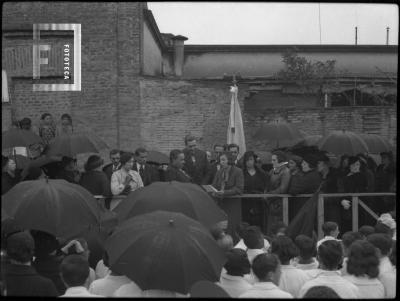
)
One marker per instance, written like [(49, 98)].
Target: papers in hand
[(209, 188)]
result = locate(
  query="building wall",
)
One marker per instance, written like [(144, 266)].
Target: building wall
[(152, 56), (109, 99), (268, 63)]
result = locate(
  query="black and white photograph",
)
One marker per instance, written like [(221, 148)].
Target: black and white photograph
[(199, 149)]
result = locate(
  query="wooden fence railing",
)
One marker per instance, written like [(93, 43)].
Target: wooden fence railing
[(355, 202)]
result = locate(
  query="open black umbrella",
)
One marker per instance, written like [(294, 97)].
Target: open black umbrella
[(343, 142), (71, 145), (18, 138), (185, 198), (376, 143), (157, 157), (279, 134), (55, 206), (164, 250)]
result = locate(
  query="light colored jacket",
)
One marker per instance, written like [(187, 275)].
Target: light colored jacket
[(118, 180)]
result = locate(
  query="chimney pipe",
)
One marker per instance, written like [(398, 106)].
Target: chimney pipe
[(356, 35), (387, 35), (178, 54)]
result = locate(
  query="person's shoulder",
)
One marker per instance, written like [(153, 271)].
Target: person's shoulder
[(108, 166)]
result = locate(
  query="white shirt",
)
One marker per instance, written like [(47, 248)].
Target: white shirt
[(234, 285), (344, 288), (118, 179), (241, 245), (292, 279), (388, 280), (128, 290), (266, 290), (369, 288), (101, 270), (78, 291), (305, 266), (311, 274), (328, 237), (252, 253), (108, 285), (385, 265)]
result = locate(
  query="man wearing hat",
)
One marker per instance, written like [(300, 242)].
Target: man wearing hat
[(21, 277), (94, 179)]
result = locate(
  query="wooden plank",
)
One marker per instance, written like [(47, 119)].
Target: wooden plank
[(320, 214), (354, 208), (285, 206), (366, 208)]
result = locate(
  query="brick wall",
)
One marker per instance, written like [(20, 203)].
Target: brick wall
[(109, 99)]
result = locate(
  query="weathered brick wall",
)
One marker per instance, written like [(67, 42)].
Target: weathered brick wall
[(109, 98), (171, 109), (319, 121)]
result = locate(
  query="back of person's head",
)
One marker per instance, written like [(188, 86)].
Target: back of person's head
[(330, 254), (264, 265), (173, 155), (20, 247), (381, 241), (225, 243), (237, 263), (349, 237), (45, 243), (307, 246), (74, 270), (382, 228), (329, 227), (366, 230), (321, 292), (279, 228), (241, 228), (284, 248), (363, 260), (253, 238)]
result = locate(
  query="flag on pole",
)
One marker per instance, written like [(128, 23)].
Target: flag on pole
[(235, 128)]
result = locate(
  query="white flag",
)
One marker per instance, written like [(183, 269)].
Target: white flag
[(235, 128)]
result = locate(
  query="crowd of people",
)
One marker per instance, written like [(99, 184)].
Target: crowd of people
[(262, 261)]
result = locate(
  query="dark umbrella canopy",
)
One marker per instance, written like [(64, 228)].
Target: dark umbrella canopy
[(185, 198), (18, 138), (279, 134), (343, 142), (54, 206), (164, 250), (71, 145), (309, 140), (376, 143), (157, 157)]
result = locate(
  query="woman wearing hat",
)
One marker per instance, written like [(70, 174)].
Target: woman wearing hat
[(307, 184), (125, 179), (94, 179)]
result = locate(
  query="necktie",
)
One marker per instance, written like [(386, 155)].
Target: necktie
[(141, 172)]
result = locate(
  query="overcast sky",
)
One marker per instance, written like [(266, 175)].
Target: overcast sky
[(277, 23)]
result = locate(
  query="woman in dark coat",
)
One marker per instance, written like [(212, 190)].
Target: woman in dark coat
[(307, 184), (255, 181), (229, 181), (94, 179), (10, 176), (354, 181), (278, 183)]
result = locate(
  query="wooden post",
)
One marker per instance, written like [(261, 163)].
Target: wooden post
[(285, 210), (320, 214), (354, 208)]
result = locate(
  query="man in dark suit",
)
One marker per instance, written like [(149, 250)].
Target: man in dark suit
[(215, 165), (147, 172), (115, 156), (174, 171), (21, 278), (196, 163)]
